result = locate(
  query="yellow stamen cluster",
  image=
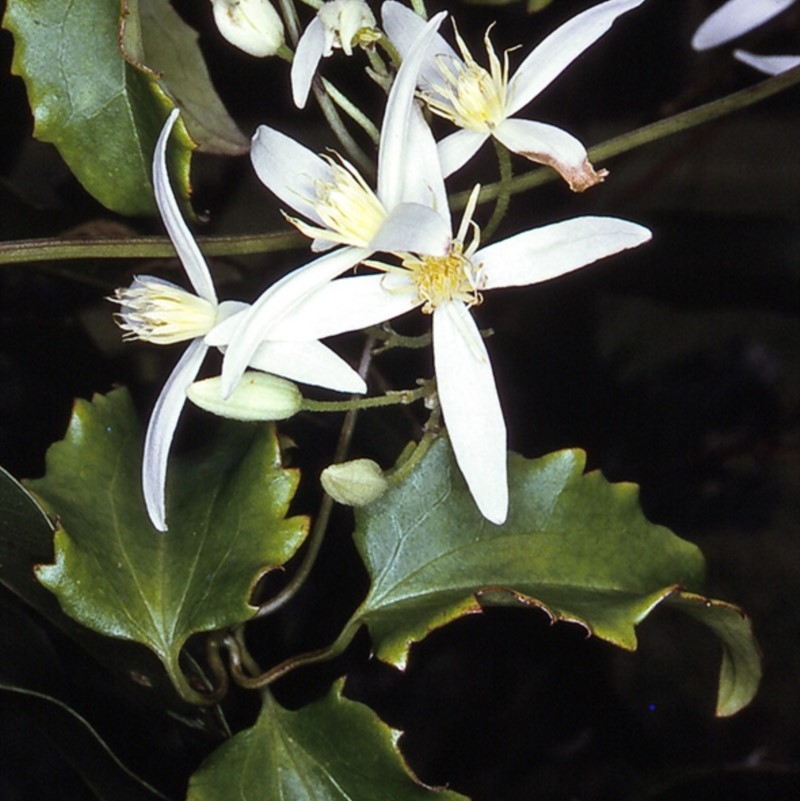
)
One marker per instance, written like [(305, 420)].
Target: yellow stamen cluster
[(441, 278), (162, 313), (348, 208), (471, 96)]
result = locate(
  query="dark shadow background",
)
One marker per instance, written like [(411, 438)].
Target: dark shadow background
[(676, 367)]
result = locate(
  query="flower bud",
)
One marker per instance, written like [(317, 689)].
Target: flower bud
[(257, 396), (354, 483), (347, 23), (251, 25)]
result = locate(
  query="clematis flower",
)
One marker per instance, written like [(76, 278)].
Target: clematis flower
[(342, 24), (482, 103), (163, 313), (446, 287), (251, 25), (407, 211), (734, 19)]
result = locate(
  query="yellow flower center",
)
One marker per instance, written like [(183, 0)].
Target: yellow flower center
[(469, 95), (348, 208), (441, 278), (160, 312)]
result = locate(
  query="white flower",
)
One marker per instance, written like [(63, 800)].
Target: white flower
[(251, 25), (340, 24), (483, 102), (160, 312), (446, 287), (737, 17), (407, 211)]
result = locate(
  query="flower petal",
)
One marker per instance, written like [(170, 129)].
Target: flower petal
[(309, 51), (413, 227), (770, 65), (177, 230), (547, 144), (456, 149), (347, 304), (471, 408), (403, 26), (734, 18), (396, 182), (161, 429), (544, 253), (550, 58), (255, 325), (288, 169), (308, 362), (427, 186)]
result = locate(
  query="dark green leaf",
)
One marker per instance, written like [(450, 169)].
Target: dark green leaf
[(574, 545), (332, 750), (117, 575), (155, 38), (741, 660), (101, 113)]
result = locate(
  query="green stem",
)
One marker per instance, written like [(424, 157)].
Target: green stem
[(648, 134), (503, 198), (419, 8), (143, 247), (398, 397), (352, 111), (333, 118), (266, 678), (321, 523)]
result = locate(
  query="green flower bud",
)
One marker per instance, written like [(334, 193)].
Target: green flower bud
[(355, 483), (257, 396)]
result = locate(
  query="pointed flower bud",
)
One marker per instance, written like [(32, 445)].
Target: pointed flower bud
[(257, 397), (355, 483), (251, 25)]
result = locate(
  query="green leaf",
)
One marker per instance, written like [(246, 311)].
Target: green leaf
[(741, 659), (101, 113), (26, 539), (116, 574), (332, 750), (156, 39), (574, 545)]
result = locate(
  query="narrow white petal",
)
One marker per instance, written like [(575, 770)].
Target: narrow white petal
[(734, 18), (395, 158), (456, 149), (427, 186), (471, 408), (177, 230), (770, 65), (415, 228), (549, 59), (547, 144), (255, 325), (288, 169), (544, 253), (161, 429), (347, 304), (403, 26), (308, 362), (306, 58)]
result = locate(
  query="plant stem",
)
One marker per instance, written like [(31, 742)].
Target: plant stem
[(352, 111), (321, 523), (503, 198), (334, 120), (396, 397), (143, 247)]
